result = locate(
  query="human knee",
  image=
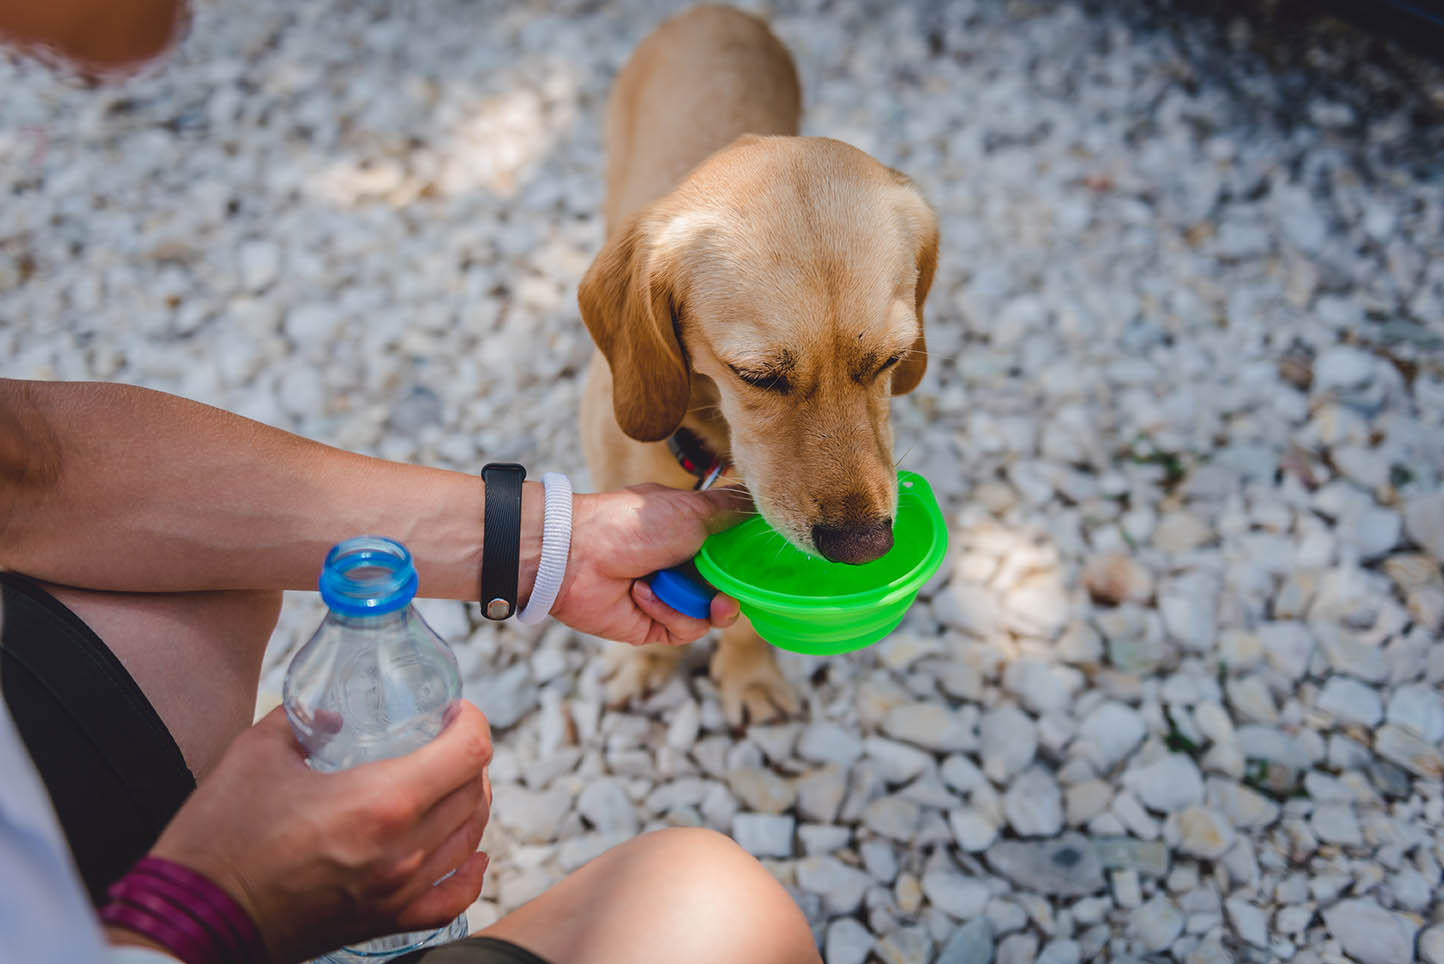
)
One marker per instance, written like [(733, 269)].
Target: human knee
[(744, 899)]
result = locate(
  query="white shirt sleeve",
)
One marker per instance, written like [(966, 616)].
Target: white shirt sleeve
[(44, 912)]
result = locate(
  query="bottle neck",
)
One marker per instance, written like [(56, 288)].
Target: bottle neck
[(370, 623)]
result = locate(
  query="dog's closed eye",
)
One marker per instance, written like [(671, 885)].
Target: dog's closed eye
[(771, 380)]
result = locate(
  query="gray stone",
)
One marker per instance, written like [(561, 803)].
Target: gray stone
[(1369, 934), (906, 945), (970, 944), (1147, 857), (848, 942), (825, 742), (1066, 866), (819, 838), (764, 834), (1424, 522), (894, 817), (820, 792), (1018, 949)]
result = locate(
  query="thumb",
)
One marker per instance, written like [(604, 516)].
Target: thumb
[(725, 507)]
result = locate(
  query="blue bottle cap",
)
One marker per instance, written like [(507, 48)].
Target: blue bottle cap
[(368, 576), (683, 591)]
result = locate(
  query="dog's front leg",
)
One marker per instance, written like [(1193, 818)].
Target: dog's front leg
[(750, 682)]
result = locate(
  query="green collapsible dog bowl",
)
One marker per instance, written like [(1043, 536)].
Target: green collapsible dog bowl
[(803, 603)]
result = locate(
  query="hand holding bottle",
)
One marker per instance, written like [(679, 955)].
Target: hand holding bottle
[(325, 859)]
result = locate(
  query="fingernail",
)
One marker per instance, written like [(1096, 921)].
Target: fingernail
[(644, 590)]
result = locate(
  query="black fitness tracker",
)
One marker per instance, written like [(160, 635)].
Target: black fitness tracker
[(501, 538)]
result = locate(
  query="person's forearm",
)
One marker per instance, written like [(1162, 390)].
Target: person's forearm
[(116, 487)]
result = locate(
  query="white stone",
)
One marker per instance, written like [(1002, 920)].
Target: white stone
[(1033, 804), (1109, 733), (605, 805), (762, 790), (826, 742), (1157, 924), (1431, 945), (848, 942), (931, 726), (899, 762), (1009, 739), (260, 264), (1249, 921), (1335, 823), (1200, 832), (955, 895), (1350, 701), (1167, 784), (840, 886), (1369, 934), (972, 830), (1420, 710)]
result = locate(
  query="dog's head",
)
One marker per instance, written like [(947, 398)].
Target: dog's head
[(790, 273)]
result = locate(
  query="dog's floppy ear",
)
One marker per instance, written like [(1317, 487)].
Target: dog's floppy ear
[(630, 304), (918, 215)]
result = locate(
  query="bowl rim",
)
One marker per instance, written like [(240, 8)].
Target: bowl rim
[(889, 594)]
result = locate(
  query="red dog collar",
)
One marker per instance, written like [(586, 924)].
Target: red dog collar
[(692, 454)]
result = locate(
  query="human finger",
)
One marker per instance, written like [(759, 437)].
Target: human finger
[(454, 851), (454, 757), (675, 628), (441, 903), (724, 610)]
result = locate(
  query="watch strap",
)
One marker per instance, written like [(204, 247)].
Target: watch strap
[(501, 538)]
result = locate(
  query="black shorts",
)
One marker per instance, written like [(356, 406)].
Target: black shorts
[(114, 772)]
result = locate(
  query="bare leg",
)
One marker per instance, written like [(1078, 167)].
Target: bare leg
[(673, 895), (195, 655)]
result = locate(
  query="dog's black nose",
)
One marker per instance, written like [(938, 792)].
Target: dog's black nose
[(853, 544)]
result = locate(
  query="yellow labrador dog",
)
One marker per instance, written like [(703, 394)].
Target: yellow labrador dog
[(758, 299)]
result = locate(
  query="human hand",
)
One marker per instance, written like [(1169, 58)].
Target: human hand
[(620, 537), (324, 859)]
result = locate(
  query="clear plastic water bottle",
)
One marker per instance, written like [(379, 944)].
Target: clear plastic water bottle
[(373, 682)]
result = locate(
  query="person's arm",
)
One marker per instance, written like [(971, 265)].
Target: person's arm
[(115, 487), (121, 488)]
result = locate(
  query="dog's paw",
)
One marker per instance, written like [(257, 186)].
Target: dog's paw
[(632, 672), (752, 687)]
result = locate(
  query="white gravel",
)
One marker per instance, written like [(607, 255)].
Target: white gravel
[(1177, 689)]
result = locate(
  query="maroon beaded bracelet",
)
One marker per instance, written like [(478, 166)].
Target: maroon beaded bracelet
[(184, 912)]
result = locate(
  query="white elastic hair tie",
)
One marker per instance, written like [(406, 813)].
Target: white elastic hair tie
[(556, 547)]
